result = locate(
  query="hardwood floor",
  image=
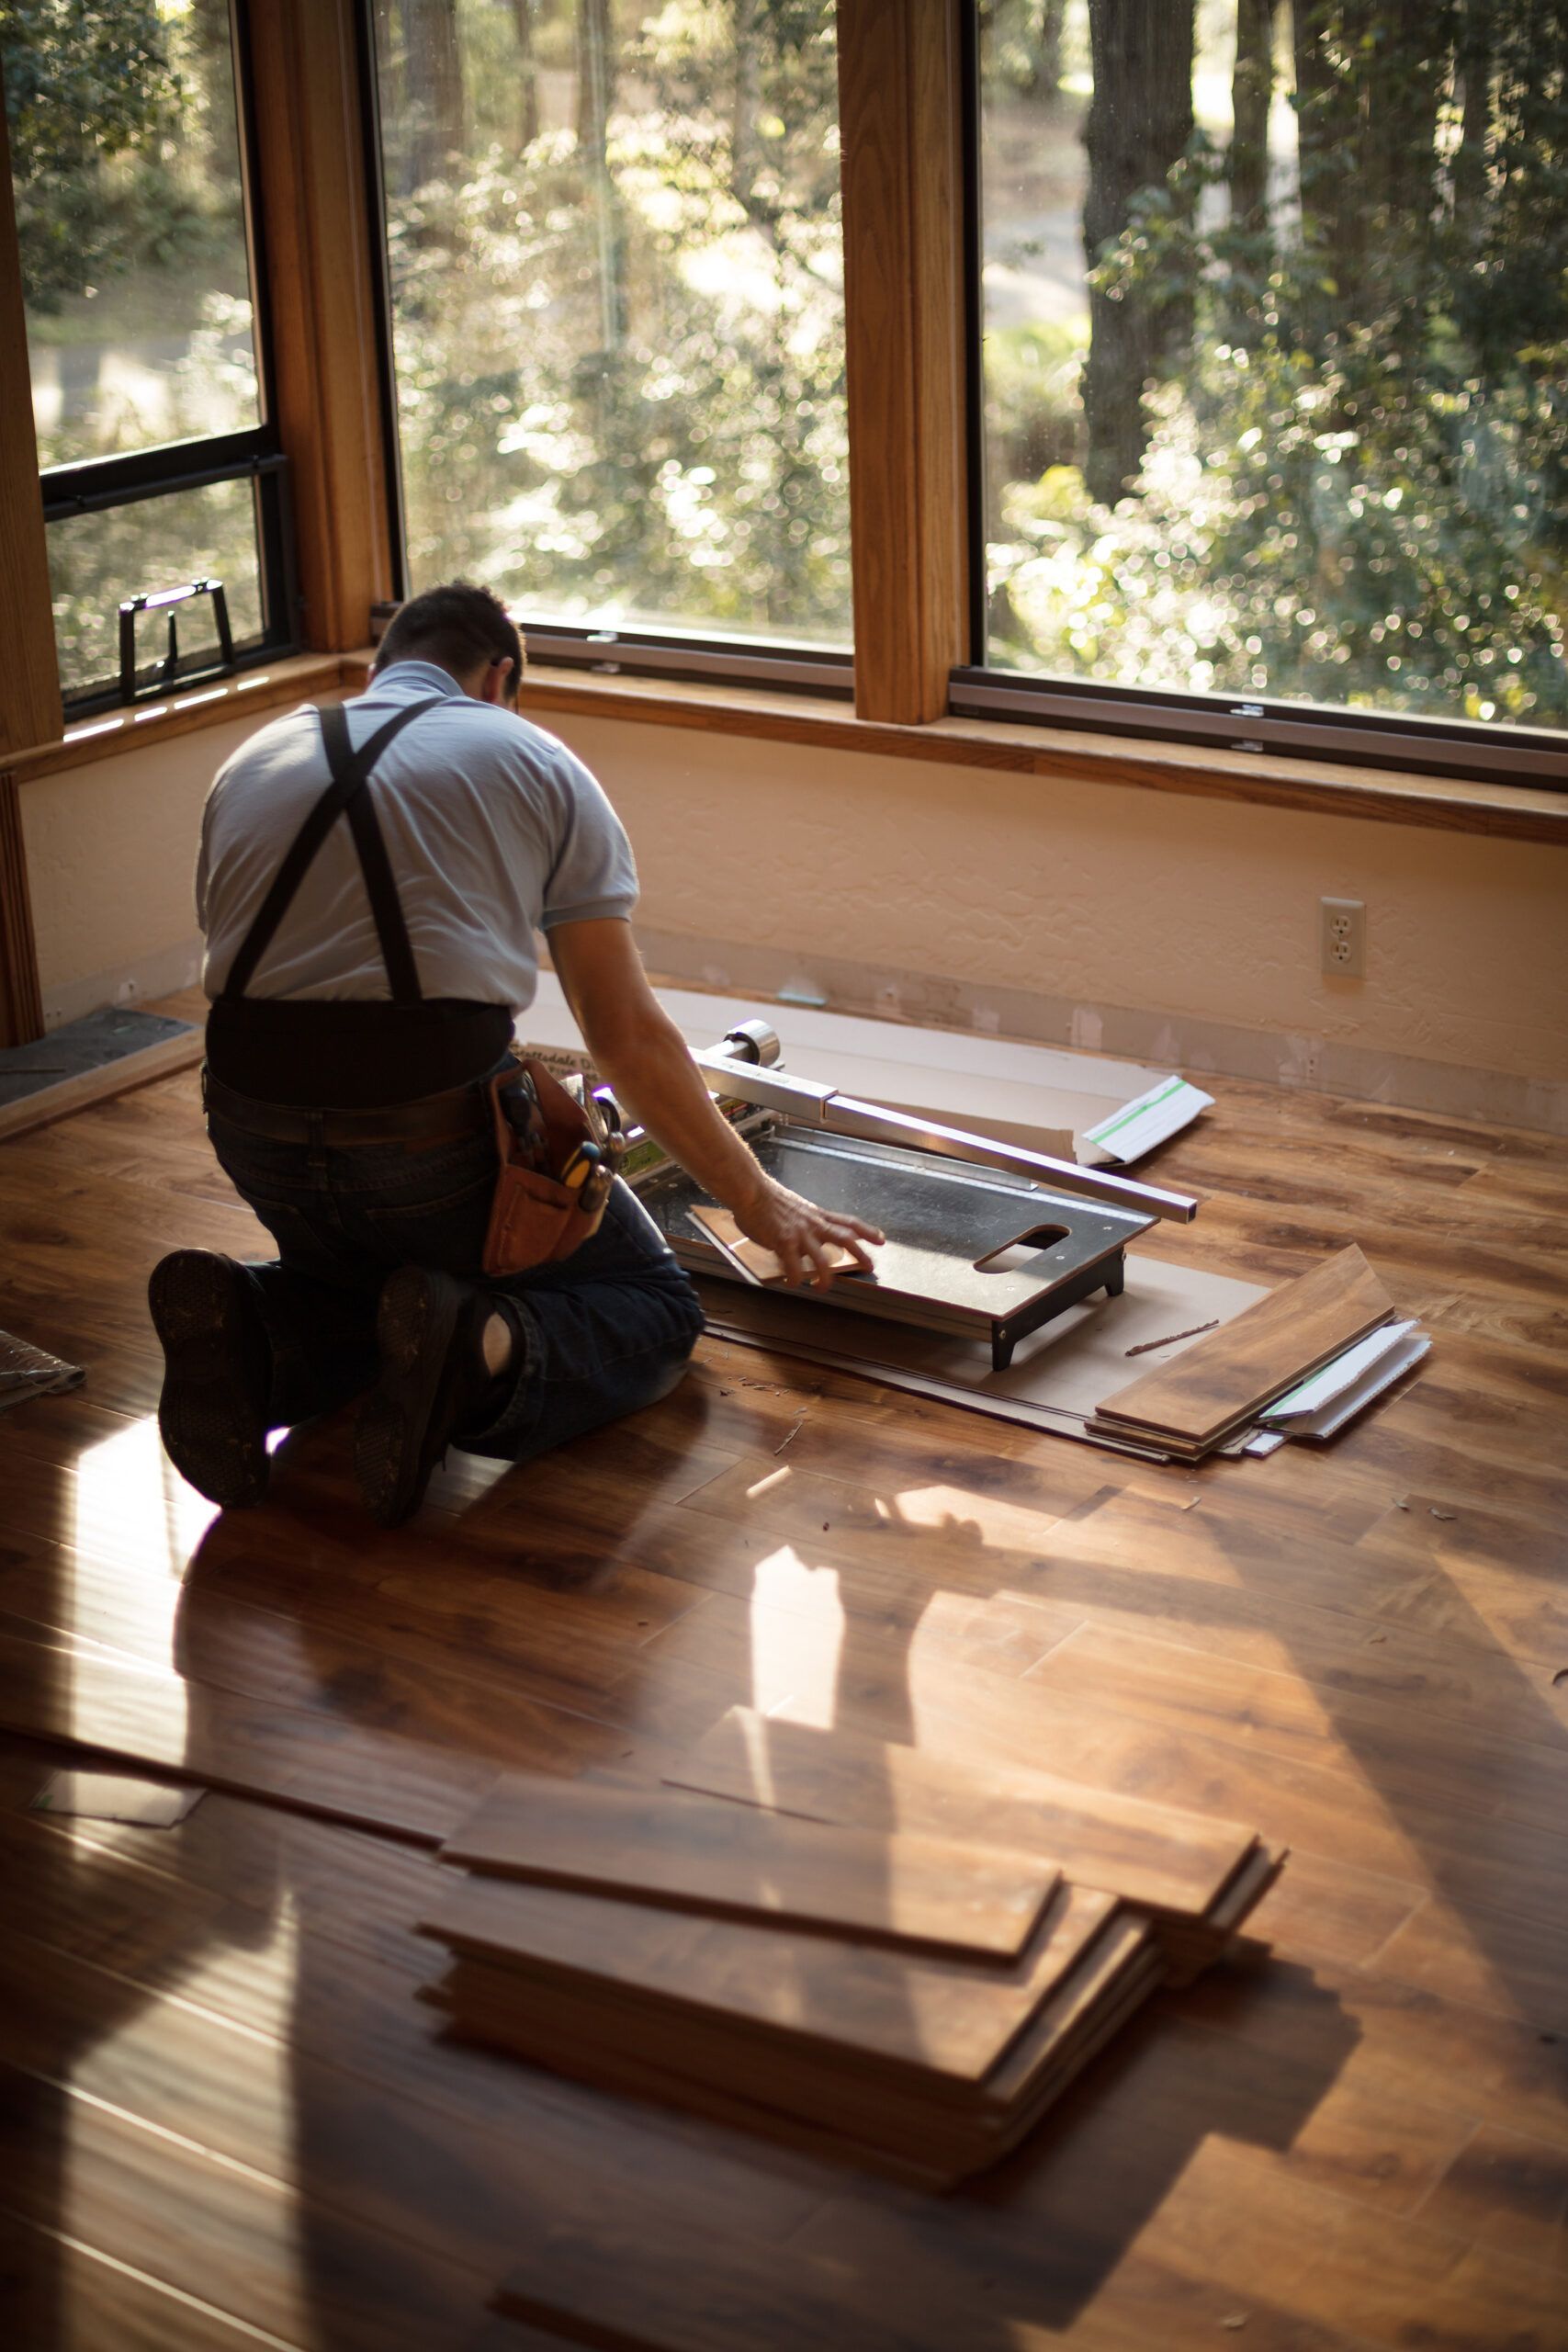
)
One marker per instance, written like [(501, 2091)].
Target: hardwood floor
[(228, 2119)]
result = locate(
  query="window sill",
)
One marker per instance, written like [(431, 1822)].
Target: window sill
[(1508, 812), (280, 682), (1512, 812)]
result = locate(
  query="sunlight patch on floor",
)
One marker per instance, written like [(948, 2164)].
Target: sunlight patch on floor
[(797, 1633), (117, 2075), (133, 1507)]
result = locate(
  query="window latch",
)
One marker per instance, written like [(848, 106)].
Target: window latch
[(165, 673)]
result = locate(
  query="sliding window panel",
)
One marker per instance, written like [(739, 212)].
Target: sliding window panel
[(1275, 323), (130, 218), (616, 273), (30, 706), (153, 544)]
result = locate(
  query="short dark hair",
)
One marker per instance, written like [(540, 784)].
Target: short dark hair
[(460, 625)]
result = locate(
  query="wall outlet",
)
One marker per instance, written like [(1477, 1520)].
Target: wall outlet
[(1342, 937)]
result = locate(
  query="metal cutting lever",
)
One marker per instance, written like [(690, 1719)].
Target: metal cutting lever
[(821, 1106)]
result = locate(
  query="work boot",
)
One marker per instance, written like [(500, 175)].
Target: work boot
[(435, 1384), (217, 1376)]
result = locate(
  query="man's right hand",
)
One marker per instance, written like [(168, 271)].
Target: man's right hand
[(638, 1049), (801, 1236)]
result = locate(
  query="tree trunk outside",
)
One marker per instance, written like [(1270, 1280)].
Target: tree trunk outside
[(436, 101), (1139, 122), (527, 73), (596, 61), (1252, 92)]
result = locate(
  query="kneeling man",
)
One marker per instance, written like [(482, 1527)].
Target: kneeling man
[(370, 882)]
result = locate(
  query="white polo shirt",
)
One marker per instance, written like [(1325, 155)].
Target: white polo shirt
[(494, 831)]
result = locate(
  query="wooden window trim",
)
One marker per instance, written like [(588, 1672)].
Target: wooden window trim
[(282, 684), (900, 131), (1510, 812), (313, 196), (1502, 811), (29, 707)]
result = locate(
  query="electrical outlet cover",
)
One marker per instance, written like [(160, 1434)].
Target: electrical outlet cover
[(1342, 938)]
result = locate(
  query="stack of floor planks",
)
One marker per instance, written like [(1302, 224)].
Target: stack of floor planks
[(1211, 1394), (752, 1940)]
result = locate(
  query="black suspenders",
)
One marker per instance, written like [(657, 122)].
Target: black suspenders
[(347, 794)]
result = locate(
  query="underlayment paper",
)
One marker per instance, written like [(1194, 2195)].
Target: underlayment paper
[(1067, 1105), (1307, 1400), (27, 1371), (1059, 1374)]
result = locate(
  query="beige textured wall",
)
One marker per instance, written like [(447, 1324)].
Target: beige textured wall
[(1091, 901), (1202, 911), (112, 864)]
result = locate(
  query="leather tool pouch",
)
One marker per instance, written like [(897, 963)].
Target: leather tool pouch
[(534, 1220)]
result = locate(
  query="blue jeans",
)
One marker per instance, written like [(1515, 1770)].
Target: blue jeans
[(606, 1332)]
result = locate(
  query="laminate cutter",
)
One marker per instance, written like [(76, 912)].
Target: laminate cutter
[(985, 1240)]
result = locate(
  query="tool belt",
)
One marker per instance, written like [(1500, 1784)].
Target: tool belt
[(557, 1164), (556, 1156)]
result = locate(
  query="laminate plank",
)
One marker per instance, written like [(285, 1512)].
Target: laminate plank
[(59, 2296), (1275, 2243), (1144, 1853), (1521, 1778), (897, 2013), (1508, 2194), (1226, 1376), (283, 1966), (1514, 1961), (249, 1745), (1341, 2267), (250, 1621), (987, 1722), (1203, 1584), (817, 2106), (227, 2235), (1323, 1905), (1407, 2042), (687, 1853), (872, 2284)]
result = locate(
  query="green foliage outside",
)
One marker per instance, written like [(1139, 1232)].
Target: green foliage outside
[(615, 242), (126, 169), (1354, 478), (619, 340)]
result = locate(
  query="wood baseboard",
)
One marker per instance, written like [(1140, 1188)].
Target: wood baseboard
[(122, 1077)]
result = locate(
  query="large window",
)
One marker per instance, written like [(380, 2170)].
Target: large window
[(1275, 312), (616, 270), (126, 141)]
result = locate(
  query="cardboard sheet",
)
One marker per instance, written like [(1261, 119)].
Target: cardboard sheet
[(1059, 1375), (1072, 1106)]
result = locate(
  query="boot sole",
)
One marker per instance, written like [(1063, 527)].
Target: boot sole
[(214, 1431), (393, 1454)]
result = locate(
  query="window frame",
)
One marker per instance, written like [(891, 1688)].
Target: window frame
[(641, 649), (254, 453), (1494, 752)]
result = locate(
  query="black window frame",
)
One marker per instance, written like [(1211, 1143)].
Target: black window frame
[(647, 651), (1491, 751), (255, 454)]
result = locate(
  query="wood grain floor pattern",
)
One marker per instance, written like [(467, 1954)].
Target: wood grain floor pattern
[(228, 2116)]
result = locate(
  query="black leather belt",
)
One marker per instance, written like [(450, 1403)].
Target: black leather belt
[(431, 1118)]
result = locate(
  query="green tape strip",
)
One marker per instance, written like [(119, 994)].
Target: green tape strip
[(1109, 1128)]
